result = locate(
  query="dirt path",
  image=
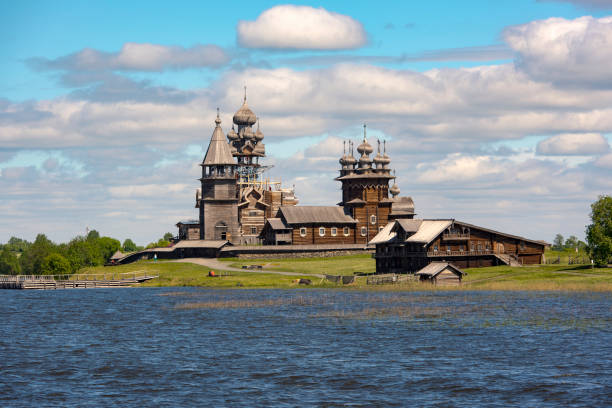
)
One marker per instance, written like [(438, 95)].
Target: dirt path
[(214, 263)]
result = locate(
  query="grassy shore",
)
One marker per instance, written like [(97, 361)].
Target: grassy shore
[(536, 278)]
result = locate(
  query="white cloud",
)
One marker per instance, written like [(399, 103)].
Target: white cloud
[(605, 161), (575, 51), (138, 57), (301, 27), (573, 144), (146, 190), (457, 168)]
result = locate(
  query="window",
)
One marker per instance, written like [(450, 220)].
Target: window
[(252, 213), (448, 249), (436, 248), (380, 228), (346, 231), (522, 246), (364, 231), (372, 219), (302, 232), (461, 248), (253, 230), (473, 246), (480, 246), (487, 246), (322, 231), (334, 231)]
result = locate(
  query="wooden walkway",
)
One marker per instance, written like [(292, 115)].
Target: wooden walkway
[(77, 281)]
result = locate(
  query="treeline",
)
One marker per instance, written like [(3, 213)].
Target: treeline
[(44, 257), (573, 243)]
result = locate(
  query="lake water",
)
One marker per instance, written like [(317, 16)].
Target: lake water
[(238, 348)]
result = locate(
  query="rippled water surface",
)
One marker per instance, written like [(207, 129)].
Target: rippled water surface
[(193, 347)]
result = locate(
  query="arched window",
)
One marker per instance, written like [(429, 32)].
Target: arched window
[(321, 231), (364, 231), (372, 219), (346, 231), (334, 231), (302, 232)]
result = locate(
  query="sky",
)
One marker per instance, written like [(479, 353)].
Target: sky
[(495, 113)]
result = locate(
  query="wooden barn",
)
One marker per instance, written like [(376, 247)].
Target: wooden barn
[(408, 245), (441, 273)]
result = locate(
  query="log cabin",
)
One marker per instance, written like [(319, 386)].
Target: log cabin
[(408, 245)]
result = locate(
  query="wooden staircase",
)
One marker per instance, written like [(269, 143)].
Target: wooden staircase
[(507, 259)]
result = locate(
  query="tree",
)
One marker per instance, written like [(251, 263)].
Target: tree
[(108, 246), (93, 235), (571, 242), (81, 252), (129, 246), (55, 264), (599, 233), (168, 236), (558, 242), (32, 257), (9, 264)]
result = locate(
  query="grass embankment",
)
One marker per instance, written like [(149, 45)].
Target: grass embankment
[(188, 274), (339, 265), (535, 278)]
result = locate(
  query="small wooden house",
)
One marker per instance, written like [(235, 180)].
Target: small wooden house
[(441, 273)]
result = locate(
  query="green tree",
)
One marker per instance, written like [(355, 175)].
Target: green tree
[(571, 242), (33, 256), (108, 246), (129, 246), (9, 264), (55, 264), (17, 244), (168, 236), (93, 235), (82, 252), (558, 242), (599, 233)]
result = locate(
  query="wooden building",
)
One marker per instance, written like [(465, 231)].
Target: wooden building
[(441, 273), (408, 245), (307, 225)]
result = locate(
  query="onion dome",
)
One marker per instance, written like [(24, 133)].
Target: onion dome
[(342, 160), (248, 133), (364, 148), (365, 162), (232, 135), (394, 190), (350, 159), (379, 160), (259, 134), (245, 116), (386, 158)]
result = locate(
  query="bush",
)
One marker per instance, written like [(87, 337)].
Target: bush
[(55, 264)]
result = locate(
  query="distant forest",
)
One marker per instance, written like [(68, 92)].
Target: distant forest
[(44, 257)]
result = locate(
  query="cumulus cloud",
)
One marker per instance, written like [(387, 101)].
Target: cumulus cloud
[(565, 51), (137, 57), (573, 144), (456, 168), (301, 27)]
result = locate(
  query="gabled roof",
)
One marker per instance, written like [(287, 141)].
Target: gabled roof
[(219, 151), (384, 235), (419, 231), (117, 255), (315, 215), (429, 230), (277, 224), (434, 268), (410, 226), (500, 233)]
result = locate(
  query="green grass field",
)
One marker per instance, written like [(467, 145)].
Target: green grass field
[(537, 277), (339, 265)]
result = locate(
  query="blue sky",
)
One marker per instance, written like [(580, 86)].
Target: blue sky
[(492, 109)]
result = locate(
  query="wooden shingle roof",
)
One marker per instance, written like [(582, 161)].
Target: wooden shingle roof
[(304, 214)]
